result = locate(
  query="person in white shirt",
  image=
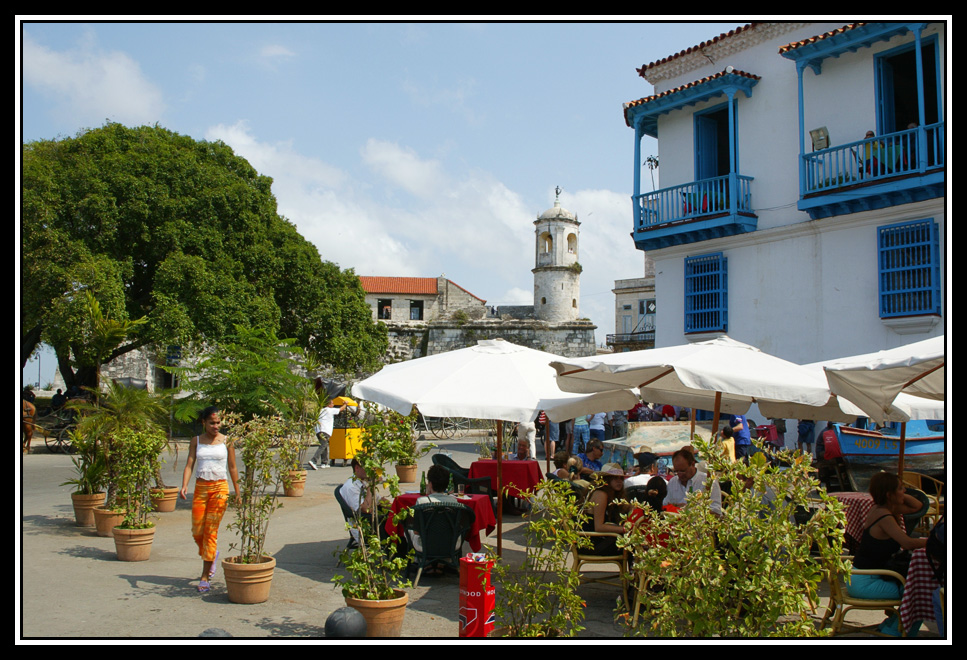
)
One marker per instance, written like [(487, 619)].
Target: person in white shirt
[(689, 479), (324, 426)]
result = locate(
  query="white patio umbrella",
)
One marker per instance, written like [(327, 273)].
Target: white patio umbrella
[(875, 381), (905, 407), (872, 381), (722, 375), (495, 379)]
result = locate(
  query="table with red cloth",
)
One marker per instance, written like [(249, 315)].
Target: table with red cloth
[(480, 505), (917, 603), (517, 475), (856, 506)]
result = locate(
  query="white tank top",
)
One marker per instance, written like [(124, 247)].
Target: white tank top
[(211, 461)]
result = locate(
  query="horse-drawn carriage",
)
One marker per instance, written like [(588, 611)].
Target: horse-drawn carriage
[(55, 425)]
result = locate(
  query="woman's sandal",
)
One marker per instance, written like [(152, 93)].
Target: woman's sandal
[(204, 587), (214, 566)]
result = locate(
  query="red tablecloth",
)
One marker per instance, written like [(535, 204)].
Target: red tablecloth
[(917, 604), (480, 504), (518, 475)]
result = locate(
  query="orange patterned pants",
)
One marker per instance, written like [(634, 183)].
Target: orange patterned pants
[(207, 508)]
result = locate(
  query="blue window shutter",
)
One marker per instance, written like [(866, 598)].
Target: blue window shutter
[(706, 293), (909, 269)]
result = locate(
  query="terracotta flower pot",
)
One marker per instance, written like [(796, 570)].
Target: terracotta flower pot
[(106, 520), (133, 544), (297, 485), (164, 499), (406, 473), (384, 618), (248, 583), (84, 507)]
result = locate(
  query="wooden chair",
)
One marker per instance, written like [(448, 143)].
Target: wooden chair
[(840, 602), (581, 558), (936, 510)]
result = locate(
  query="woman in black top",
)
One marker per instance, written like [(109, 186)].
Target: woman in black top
[(882, 537)]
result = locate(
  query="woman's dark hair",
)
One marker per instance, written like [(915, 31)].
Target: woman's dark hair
[(881, 485), (206, 413)]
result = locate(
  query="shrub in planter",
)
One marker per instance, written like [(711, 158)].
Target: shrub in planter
[(90, 471), (750, 571), (376, 569), (266, 457), (539, 598), (136, 459)]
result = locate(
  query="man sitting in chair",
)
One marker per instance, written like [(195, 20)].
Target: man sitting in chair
[(437, 480), (357, 495)]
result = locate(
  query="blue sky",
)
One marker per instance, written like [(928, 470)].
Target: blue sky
[(397, 148)]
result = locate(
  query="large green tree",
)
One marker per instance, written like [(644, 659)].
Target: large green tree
[(182, 233)]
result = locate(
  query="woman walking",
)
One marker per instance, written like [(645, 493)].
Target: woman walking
[(216, 464)]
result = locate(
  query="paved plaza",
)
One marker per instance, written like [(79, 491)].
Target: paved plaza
[(72, 587)]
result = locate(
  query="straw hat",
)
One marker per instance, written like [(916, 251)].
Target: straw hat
[(611, 470)]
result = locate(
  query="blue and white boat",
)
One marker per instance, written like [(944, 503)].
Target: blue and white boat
[(880, 448)]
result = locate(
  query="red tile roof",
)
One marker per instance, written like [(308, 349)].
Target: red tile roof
[(825, 35), (414, 285), (724, 35), (734, 72)]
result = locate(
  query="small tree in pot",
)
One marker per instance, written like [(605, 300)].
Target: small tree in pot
[(136, 459), (539, 597), (265, 453), (377, 569), (90, 471)]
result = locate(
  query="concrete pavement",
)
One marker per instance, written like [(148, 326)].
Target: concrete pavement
[(73, 587)]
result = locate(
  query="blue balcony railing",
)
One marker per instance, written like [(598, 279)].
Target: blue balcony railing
[(693, 201), (872, 160)]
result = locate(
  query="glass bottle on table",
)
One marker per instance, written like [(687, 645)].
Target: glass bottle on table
[(423, 484)]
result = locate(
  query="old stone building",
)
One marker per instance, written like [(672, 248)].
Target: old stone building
[(426, 316)]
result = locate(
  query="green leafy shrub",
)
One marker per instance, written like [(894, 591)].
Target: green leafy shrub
[(264, 446), (539, 598), (376, 568), (136, 459), (751, 571)]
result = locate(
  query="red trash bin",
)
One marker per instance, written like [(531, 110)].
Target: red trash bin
[(477, 598)]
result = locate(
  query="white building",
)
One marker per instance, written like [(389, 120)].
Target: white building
[(777, 221)]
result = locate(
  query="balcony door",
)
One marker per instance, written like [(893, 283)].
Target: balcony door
[(898, 89), (712, 143)]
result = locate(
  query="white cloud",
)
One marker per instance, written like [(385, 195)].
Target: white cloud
[(469, 226), (88, 85), (402, 167), (275, 51)]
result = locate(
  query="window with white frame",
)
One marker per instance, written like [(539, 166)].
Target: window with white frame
[(909, 268), (706, 293)]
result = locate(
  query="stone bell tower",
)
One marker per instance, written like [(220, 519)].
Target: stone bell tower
[(557, 271)]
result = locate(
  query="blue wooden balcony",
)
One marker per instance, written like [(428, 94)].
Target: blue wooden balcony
[(696, 211), (873, 173)]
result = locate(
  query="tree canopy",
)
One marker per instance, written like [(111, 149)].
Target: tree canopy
[(182, 233)]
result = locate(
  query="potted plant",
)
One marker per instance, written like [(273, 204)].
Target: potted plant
[(136, 459), (758, 566), (376, 569), (89, 468), (266, 459), (115, 410), (397, 431), (539, 598)]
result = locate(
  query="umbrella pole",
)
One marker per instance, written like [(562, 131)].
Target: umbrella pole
[(500, 499), (715, 415), (691, 433), (903, 442)]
